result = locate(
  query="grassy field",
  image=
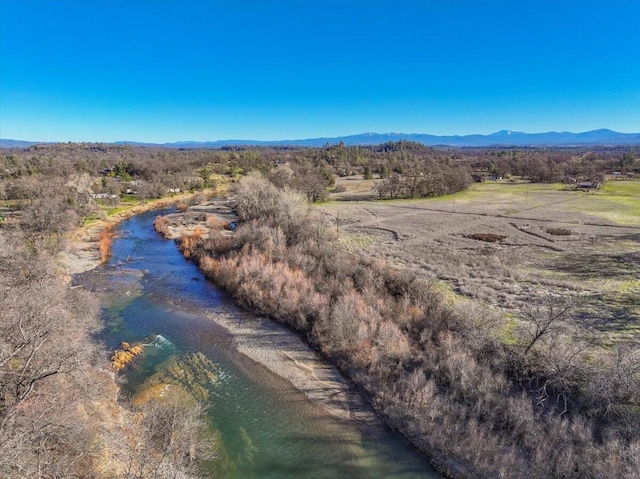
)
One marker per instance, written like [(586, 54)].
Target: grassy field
[(584, 246)]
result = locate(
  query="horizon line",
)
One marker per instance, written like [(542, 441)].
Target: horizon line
[(455, 135)]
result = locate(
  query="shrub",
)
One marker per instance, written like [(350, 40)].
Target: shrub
[(559, 231), (104, 243), (161, 225), (487, 237), (215, 223)]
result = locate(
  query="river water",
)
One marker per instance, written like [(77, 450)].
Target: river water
[(268, 428)]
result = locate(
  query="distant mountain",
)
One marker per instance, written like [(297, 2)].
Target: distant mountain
[(501, 138), (17, 143), (602, 137)]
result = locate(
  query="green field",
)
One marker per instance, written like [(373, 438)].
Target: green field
[(617, 201)]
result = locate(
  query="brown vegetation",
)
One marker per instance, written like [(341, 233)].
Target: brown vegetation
[(558, 231), (161, 225), (214, 223), (182, 205), (171, 439), (551, 404), (105, 241), (487, 237), (44, 339)]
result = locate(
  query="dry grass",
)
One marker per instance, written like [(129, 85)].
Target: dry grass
[(215, 223), (595, 263), (353, 187)]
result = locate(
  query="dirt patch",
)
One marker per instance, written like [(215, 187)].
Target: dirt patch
[(486, 237)]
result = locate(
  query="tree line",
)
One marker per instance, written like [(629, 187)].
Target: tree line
[(403, 169)]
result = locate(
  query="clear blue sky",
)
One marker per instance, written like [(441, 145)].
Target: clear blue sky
[(159, 71)]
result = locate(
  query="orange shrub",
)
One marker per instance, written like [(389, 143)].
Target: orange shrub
[(197, 234), (161, 225), (187, 243), (104, 243)]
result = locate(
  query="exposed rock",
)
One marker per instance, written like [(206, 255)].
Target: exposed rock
[(194, 374), (122, 357)]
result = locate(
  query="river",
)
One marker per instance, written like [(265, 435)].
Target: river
[(268, 428)]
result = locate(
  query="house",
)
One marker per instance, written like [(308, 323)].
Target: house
[(102, 196)]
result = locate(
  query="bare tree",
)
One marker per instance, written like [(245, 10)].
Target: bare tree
[(544, 318), (255, 197), (171, 440), (44, 338)]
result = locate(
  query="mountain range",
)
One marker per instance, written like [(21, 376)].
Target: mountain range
[(602, 137)]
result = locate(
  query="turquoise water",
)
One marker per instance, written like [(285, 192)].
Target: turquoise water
[(268, 429)]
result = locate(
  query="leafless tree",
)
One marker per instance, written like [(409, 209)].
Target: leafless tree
[(44, 338), (171, 440), (255, 198), (543, 319)]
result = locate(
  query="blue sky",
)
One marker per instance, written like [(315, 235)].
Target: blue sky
[(161, 71)]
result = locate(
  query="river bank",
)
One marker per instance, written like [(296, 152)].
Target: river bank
[(113, 424), (269, 427), (263, 342), (271, 344), (82, 253)]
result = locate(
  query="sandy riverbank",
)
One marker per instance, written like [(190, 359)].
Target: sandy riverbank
[(287, 355)]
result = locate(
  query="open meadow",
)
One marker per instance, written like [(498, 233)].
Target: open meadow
[(510, 244)]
